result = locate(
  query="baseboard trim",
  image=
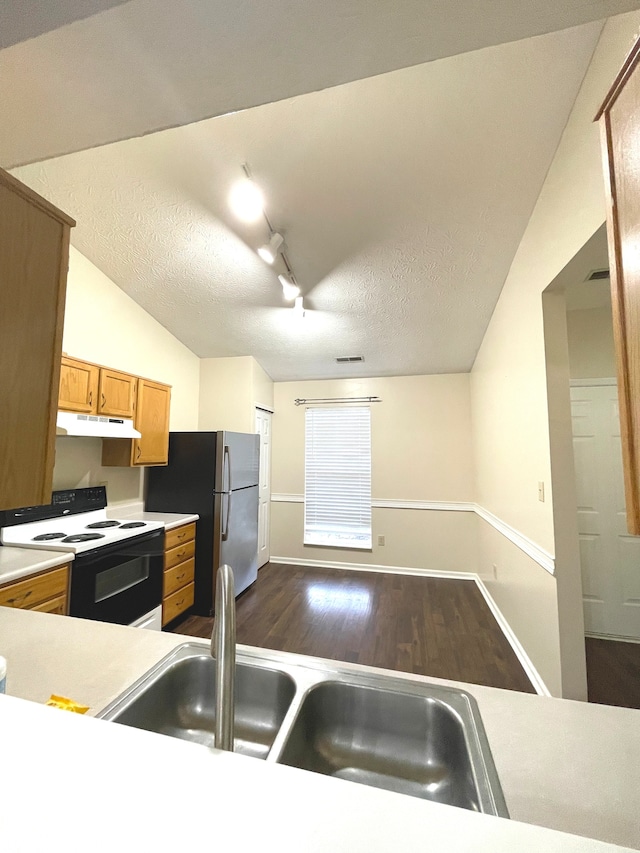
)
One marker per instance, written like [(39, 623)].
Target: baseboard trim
[(535, 552), (371, 567), (527, 664), (615, 638)]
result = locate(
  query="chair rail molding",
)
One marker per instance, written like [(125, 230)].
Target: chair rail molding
[(538, 554)]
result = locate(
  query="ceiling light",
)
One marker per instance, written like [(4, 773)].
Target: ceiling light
[(299, 306), (289, 289), (246, 200), (269, 252)]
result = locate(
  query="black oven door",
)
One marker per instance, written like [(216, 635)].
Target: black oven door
[(121, 582)]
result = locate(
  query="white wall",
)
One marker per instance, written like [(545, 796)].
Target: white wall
[(591, 347), (509, 383), (104, 325), (230, 389), (421, 452)]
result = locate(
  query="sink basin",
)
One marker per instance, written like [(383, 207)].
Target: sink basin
[(411, 737), (410, 744), (180, 701)]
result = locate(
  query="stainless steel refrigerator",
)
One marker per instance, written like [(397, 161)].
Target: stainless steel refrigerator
[(213, 474)]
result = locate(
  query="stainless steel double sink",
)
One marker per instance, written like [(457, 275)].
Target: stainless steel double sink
[(419, 739)]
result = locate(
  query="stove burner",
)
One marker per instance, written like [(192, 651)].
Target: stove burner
[(44, 537), (98, 524), (133, 524), (83, 537)]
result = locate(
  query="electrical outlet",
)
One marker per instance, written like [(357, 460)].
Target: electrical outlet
[(541, 492), (380, 540)]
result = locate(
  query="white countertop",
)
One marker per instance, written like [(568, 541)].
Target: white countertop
[(17, 563), (564, 765), (169, 519), (104, 787)]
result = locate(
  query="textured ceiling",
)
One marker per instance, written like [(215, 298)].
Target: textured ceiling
[(147, 65), (402, 199)]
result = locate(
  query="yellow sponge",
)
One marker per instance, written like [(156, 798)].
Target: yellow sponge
[(67, 704)]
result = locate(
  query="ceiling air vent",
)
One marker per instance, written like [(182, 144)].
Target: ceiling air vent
[(598, 275), (349, 359)]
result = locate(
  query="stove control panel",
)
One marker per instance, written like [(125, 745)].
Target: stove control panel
[(64, 502)]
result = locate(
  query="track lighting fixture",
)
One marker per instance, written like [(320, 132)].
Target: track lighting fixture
[(289, 288), (269, 252), (247, 202)]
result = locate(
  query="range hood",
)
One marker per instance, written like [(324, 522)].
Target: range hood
[(100, 426)]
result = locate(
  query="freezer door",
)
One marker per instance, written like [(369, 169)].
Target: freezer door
[(238, 544), (237, 461)]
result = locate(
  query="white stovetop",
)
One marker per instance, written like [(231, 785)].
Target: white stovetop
[(23, 535)]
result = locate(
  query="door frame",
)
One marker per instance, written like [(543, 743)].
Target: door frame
[(260, 407)]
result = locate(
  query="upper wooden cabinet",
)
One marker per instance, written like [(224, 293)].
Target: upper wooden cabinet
[(78, 386), (95, 390), (620, 132), (152, 419), (99, 390), (117, 393), (34, 259)]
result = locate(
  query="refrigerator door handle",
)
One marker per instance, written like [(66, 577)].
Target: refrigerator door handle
[(227, 466), (225, 527)]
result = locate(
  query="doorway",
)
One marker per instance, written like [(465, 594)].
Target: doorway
[(586, 463), (263, 428)]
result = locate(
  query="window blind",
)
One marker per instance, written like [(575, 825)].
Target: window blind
[(337, 477)]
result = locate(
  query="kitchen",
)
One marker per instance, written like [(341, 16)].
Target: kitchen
[(127, 483)]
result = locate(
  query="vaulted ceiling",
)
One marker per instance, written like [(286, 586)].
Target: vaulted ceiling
[(402, 197)]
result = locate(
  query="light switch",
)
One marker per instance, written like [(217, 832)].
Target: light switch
[(541, 492)]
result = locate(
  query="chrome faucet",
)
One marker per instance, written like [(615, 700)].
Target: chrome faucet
[(223, 649)]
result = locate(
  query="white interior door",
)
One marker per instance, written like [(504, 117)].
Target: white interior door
[(263, 428), (609, 556)]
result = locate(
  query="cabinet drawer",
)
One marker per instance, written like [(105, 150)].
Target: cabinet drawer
[(54, 605), (34, 590), (177, 603), (179, 554), (179, 535), (177, 577)]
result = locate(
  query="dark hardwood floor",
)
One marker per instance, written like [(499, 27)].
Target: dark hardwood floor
[(427, 626), (613, 672)]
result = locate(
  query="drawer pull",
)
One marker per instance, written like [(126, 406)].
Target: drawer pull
[(181, 553), (179, 577), (182, 535)]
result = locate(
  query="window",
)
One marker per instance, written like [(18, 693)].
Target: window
[(337, 477)]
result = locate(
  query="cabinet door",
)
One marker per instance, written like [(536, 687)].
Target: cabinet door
[(620, 129), (34, 256), (78, 386), (117, 393), (152, 420)]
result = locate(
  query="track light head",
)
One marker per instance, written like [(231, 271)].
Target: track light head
[(289, 288), (269, 252)]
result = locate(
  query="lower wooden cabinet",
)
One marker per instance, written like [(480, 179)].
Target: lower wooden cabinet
[(179, 568), (47, 592)]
